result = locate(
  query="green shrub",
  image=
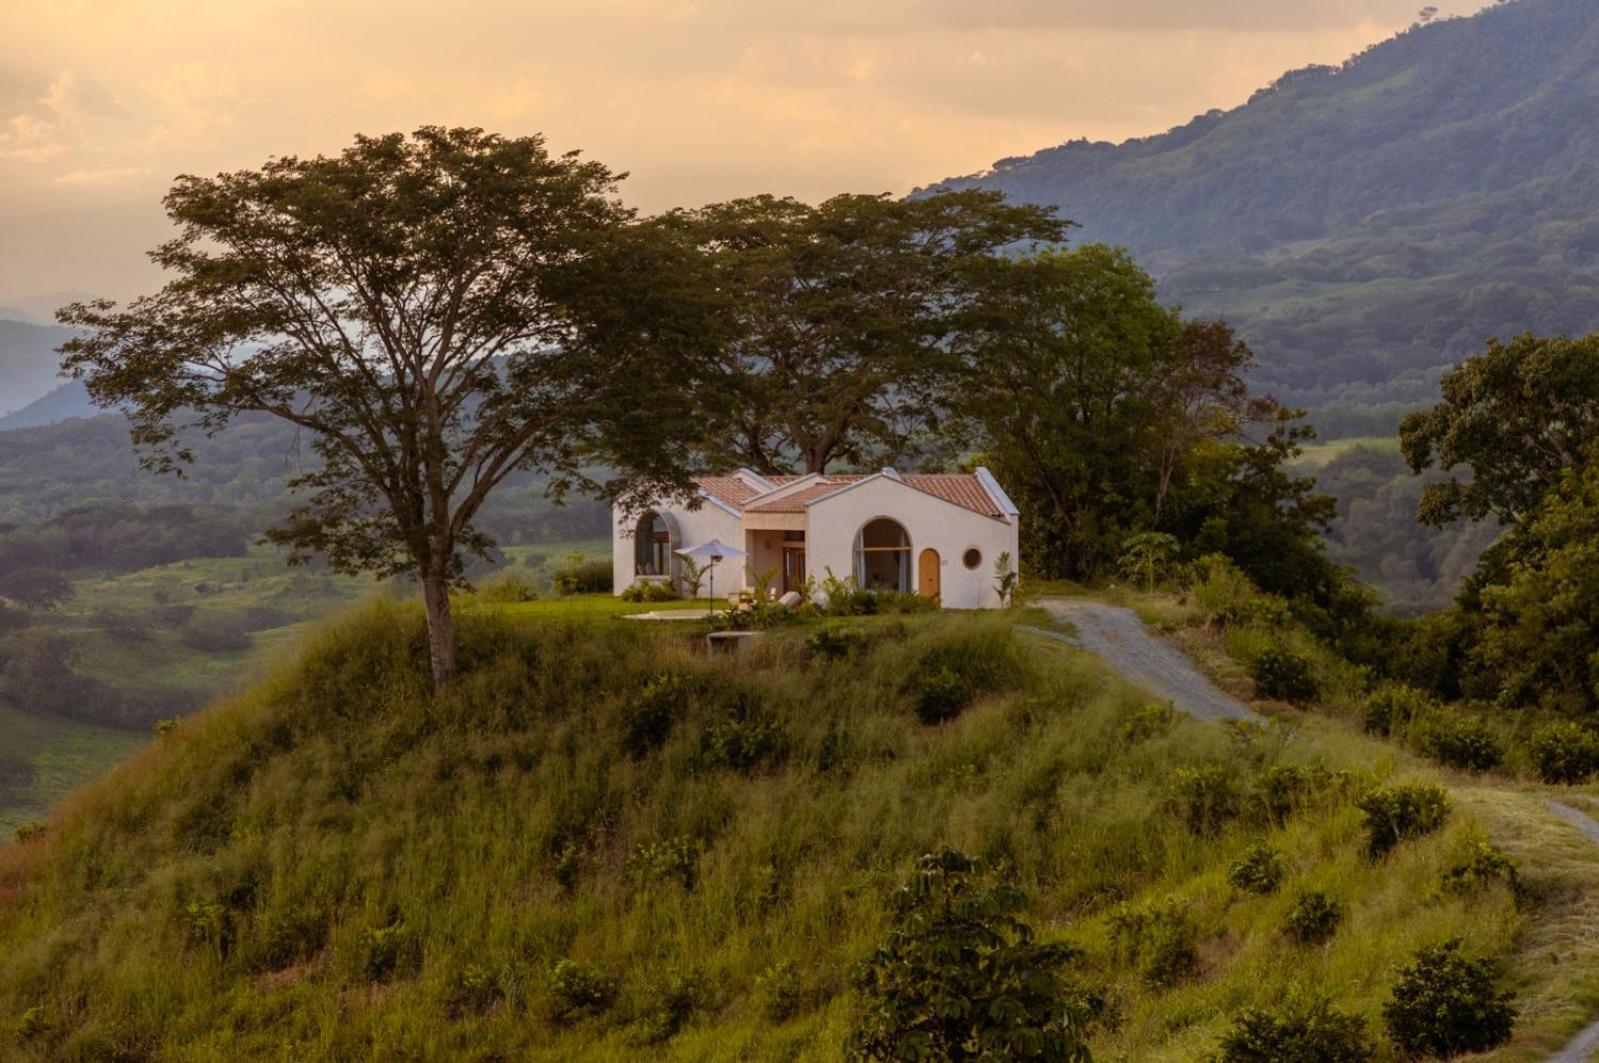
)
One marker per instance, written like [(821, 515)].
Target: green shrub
[(1445, 1004), (741, 740), (30, 1024), (1285, 789), (648, 719), (836, 641), (649, 591), (508, 590), (1158, 940), (1259, 870), (1463, 742), (1205, 798), (582, 576), (960, 976), (473, 990), (667, 860), (1220, 587), (1283, 675), (287, 937), (778, 990), (1389, 709), (939, 693), (576, 991), (1482, 865), (1565, 752), (1149, 722), (387, 951), (1400, 813), (27, 832), (667, 1005), (1313, 919), (1304, 1029)]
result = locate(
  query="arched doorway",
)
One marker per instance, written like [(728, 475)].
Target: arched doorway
[(927, 574), (654, 545), (883, 557)]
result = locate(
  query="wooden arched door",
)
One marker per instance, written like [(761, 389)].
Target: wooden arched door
[(927, 574)]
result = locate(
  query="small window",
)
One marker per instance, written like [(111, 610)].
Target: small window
[(973, 557)]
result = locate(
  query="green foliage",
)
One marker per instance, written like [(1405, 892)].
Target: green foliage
[(1206, 798), (473, 990), (583, 575), (1482, 865), (960, 976), (35, 588), (1157, 940), (1282, 790), (1565, 752), (649, 591), (1303, 1029), (388, 951), (1395, 814), (27, 832), (834, 642), (672, 860), (742, 740), (1147, 557), (1447, 1004), (946, 680), (1461, 741), (668, 1003), (1151, 721), (1314, 918), (1005, 578), (576, 991), (648, 718), (1389, 709), (1283, 674), (779, 991), (1258, 870)]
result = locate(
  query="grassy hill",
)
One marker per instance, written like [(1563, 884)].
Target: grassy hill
[(1368, 222), (602, 844)]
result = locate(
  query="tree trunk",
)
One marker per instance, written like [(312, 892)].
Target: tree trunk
[(441, 628)]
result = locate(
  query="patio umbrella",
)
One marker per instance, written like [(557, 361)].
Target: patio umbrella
[(713, 551)]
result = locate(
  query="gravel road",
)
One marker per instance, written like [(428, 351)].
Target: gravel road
[(1586, 1043), (1121, 640)]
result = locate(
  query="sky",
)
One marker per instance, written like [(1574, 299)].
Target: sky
[(103, 102)]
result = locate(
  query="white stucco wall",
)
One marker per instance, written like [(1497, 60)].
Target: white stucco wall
[(697, 526), (929, 521)]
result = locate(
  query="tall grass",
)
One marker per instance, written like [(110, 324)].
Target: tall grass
[(337, 865)]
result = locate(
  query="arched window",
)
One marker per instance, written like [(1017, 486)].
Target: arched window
[(652, 546), (883, 557)]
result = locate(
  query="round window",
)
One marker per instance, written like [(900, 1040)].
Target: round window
[(973, 558)]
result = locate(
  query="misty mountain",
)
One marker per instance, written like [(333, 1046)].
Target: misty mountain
[(1368, 223), (65, 401), (28, 362)]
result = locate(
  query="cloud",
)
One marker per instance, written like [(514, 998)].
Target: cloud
[(113, 175)]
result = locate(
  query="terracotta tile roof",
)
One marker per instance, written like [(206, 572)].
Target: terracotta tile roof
[(730, 489), (961, 489)]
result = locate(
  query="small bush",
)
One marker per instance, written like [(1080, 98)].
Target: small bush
[(576, 991), (1305, 1029), (960, 976), (1283, 675), (473, 990), (1565, 752), (1400, 813), (388, 951), (668, 1004), (834, 642), (580, 576), (1149, 722), (939, 694), (287, 937), (649, 591), (1259, 870), (667, 860), (1313, 919), (27, 832), (1389, 709), (1220, 587), (1462, 742), (1446, 1004), (1156, 940), (1205, 798), (648, 719), (1483, 865), (508, 590), (1285, 789), (29, 1024), (778, 990), (742, 740)]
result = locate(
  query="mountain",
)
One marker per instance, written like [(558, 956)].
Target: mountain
[(28, 362), (1368, 223), (66, 401)]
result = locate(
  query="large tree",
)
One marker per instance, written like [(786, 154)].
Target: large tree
[(836, 318), (436, 312)]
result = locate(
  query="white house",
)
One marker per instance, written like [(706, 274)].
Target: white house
[(938, 535)]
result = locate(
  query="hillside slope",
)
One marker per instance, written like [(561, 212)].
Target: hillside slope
[(334, 866), (28, 362), (1366, 223)]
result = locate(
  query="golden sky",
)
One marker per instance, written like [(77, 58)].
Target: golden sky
[(102, 102)]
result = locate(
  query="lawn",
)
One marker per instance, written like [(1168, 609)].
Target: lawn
[(593, 607)]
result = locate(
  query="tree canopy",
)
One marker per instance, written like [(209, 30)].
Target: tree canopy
[(436, 312)]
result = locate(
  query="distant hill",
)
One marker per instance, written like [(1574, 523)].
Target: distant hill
[(66, 401), (1368, 223), (28, 362)]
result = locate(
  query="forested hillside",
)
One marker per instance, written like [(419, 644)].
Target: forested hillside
[(1367, 223)]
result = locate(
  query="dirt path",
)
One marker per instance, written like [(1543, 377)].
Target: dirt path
[(1120, 639), (1585, 1044)]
